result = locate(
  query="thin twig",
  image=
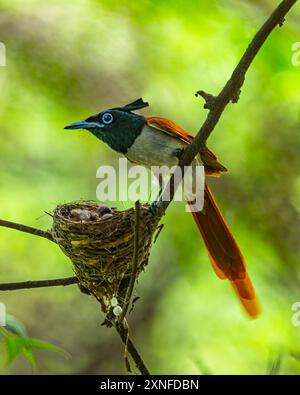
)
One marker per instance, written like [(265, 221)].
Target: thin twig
[(140, 364), (135, 261), (120, 327), (230, 92), (27, 229), (39, 284)]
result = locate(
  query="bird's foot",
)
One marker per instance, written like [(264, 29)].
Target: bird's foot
[(153, 208)]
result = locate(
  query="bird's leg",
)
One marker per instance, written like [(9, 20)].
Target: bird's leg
[(160, 177), (153, 205)]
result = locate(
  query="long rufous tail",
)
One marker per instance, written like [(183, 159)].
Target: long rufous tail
[(224, 253)]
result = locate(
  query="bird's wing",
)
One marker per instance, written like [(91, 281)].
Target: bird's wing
[(171, 128), (212, 166)]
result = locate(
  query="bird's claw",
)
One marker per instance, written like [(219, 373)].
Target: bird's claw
[(153, 208)]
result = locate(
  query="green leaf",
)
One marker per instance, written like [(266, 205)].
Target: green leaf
[(31, 342), (18, 345), (14, 346), (28, 354), (17, 342)]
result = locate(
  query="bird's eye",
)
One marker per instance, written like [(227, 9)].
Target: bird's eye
[(107, 118)]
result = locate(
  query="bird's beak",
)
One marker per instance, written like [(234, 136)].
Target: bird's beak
[(84, 125)]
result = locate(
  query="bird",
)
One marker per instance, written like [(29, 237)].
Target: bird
[(156, 141)]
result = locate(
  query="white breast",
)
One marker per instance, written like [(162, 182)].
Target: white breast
[(155, 148)]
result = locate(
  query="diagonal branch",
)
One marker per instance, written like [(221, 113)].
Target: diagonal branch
[(27, 229), (230, 92), (39, 284), (140, 364)]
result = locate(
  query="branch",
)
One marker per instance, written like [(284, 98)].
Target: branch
[(135, 261), (121, 329), (123, 332), (27, 229), (230, 92), (39, 284)]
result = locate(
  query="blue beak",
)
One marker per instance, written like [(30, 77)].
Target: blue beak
[(84, 125)]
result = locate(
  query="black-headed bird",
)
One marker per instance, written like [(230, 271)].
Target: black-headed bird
[(155, 141)]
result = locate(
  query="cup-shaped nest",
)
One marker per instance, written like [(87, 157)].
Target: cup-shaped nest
[(100, 243)]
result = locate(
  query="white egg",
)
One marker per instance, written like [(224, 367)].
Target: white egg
[(117, 311), (113, 301)]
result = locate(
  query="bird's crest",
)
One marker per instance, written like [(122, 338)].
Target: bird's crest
[(136, 105)]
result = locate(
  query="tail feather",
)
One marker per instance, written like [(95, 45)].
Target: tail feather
[(217, 270), (246, 294), (225, 255), (244, 287)]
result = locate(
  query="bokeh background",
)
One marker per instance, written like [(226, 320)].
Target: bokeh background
[(68, 60)]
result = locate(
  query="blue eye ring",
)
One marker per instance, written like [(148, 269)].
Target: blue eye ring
[(107, 118)]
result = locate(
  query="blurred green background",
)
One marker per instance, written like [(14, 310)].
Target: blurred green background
[(68, 60)]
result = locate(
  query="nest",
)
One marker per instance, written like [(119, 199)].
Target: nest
[(100, 243)]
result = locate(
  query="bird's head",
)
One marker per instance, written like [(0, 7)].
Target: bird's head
[(118, 127)]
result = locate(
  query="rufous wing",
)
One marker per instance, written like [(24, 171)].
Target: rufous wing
[(209, 159)]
